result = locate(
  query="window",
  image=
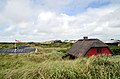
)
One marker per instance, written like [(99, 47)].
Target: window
[(99, 50)]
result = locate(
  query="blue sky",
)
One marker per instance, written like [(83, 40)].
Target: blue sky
[(42, 20), (75, 7)]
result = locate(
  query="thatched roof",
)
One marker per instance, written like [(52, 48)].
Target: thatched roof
[(82, 46)]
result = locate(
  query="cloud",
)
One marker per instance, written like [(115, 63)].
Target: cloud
[(92, 23), (17, 11), (40, 20), (113, 19)]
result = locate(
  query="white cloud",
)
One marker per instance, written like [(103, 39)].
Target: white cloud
[(26, 23), (45, 16), (90, 23), (17, 10)]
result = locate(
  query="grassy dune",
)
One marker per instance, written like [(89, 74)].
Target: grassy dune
[(52, 66), (47, 63)]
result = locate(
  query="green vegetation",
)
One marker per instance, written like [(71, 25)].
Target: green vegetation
[(52, 66), (61, 45), (115, 49), (47, 63), (5, 46)]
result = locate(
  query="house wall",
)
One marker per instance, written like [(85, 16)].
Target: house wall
[(93, 51)]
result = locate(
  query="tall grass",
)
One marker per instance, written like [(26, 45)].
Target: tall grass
[(47, 63), (53, 67)]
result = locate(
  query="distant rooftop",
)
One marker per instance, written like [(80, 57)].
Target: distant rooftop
[(112, 41)]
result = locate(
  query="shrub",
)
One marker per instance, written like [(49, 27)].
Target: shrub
[(116, 51)]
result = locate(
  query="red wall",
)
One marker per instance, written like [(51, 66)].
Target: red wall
[(93, 51)]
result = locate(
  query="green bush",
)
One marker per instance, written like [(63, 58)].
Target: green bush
[(116, 51)]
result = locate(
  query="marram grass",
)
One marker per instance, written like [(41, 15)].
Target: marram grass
[(52, 66)]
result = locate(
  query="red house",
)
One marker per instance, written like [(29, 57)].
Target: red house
[(88, 47)]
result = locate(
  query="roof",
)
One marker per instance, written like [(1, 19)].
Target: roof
[(113, 41), (20, 49), (17, 50), (83, 45)]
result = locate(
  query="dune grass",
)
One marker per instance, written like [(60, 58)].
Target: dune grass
[(52, 66), (47, 63)]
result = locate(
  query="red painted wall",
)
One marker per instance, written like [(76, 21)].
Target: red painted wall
[(93, 51)]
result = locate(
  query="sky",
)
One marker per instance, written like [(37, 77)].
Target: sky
[(44, 20)]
